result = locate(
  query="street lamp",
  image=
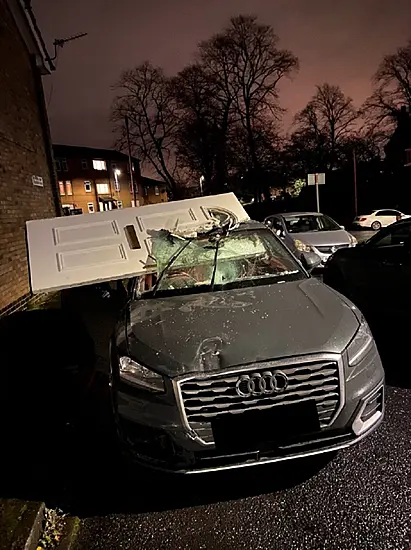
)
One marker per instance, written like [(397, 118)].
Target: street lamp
[(202, 179)]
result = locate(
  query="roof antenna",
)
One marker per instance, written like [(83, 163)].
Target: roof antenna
[(59, 42)]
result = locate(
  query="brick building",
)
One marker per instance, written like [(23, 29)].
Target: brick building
[(28, 187), (92, 180)]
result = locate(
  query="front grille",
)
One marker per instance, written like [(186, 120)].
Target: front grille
[(331, 249), (206, 398)]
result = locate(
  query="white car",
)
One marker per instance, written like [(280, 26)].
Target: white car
[(379, 218)]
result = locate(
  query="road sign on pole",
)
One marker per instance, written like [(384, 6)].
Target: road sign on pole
[(316, 179)]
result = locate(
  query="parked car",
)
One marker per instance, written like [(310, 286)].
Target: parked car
[(376, 274), (308, 233), (378, 219), (228, 353)]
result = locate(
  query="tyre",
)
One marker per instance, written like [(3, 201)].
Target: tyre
[(376, 226)]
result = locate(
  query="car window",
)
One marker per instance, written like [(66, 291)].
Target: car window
[(307, 223), (276, 224), (387, 213), (395, 236), (242, 258)]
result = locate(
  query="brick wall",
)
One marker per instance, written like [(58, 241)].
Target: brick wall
[(23, 154)]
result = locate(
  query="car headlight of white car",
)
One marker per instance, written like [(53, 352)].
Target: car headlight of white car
[(140, 376), (302, 247), (353, 240), (360, 345)]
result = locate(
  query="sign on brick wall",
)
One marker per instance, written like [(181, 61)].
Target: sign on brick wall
[(37, 181)]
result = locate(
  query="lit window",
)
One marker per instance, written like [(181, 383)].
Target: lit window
[(84, 164), (90, 206), (119, 204), (87, 187), (407, 157), (99, 165), (64, 165), (103, 188), (146, 191), (69, 189), (62, 188), (58, 165), (156, 190)]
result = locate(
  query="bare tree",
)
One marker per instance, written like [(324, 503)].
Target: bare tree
[(392, 90), (200, 129), (248, 66), (325, 124), (146, 97)]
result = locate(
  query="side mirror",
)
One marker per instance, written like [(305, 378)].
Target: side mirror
[(342, 227), (312, 261), (269, 223)]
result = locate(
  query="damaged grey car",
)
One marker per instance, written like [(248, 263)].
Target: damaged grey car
[(232, 355)]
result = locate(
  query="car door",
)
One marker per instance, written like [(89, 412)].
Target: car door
[(387, 217), (383, 273)]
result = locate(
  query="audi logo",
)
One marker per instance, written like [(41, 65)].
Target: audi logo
[(266, 383)]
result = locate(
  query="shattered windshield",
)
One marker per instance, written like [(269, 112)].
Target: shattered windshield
[(308, 223), (241, 258)]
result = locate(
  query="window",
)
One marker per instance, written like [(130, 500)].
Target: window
[(407, 157), (276, 225), (84, 164), (157, 190), (146, 191), (242, 259), (87, 187), (62, 188), (393, 236), (387, 213), (90, 207), (119, 204), (58, 165), (306, 223), (64, 165), (69, 188), (99, 165), (103, 188)]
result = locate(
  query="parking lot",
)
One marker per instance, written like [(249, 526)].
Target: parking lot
[(359, 499)]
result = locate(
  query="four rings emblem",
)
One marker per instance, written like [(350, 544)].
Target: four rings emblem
[(265, 383)]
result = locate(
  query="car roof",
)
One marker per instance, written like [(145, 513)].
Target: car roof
[(299, 214)]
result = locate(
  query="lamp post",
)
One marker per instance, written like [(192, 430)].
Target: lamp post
[(202, 179), (355, 183)]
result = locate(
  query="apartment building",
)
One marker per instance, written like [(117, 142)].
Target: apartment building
[(93, 180)]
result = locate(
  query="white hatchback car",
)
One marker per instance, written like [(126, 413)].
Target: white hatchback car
[(379, 218)]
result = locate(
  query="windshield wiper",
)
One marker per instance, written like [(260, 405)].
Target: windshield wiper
[(170, 262)]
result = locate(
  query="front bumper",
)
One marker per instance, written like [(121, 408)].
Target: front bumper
[(155, 434)]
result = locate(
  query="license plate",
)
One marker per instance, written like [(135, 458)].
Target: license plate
[(264, 429)]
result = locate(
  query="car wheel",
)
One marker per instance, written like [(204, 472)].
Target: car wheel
[(376, 226)]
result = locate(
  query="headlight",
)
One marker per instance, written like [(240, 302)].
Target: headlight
[(140, 376), (302, 247), (353, 240), (360, 344)]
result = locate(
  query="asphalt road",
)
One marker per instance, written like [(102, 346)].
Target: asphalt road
[(360, 500)]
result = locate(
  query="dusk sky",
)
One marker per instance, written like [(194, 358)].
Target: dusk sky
[(338, 42)]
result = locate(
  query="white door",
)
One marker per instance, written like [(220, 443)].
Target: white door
[(104, 246)]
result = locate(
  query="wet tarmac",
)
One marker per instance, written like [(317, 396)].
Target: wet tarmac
[(360, 500)]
